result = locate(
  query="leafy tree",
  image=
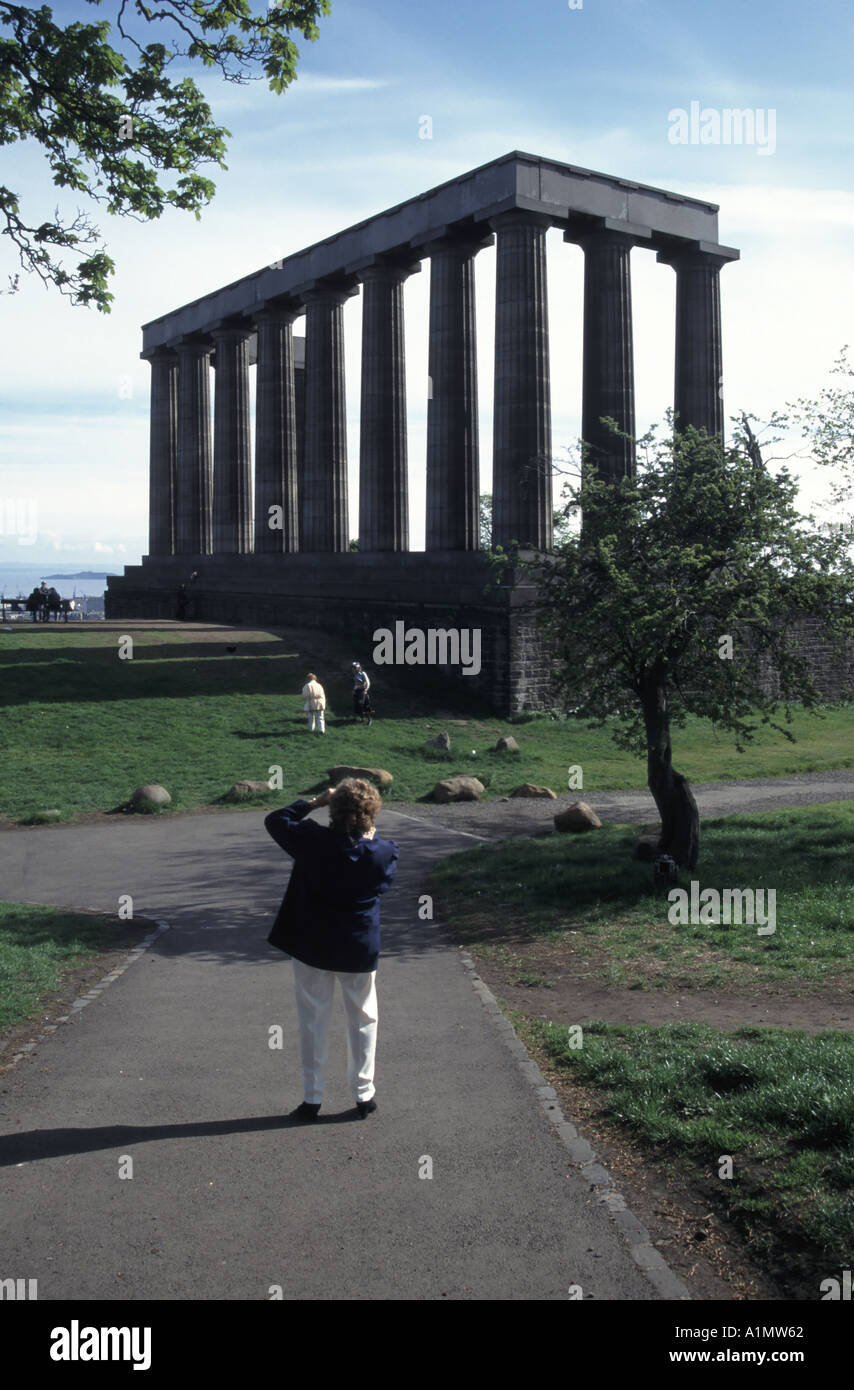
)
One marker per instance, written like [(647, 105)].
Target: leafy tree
[(704, 544), (111, 121)]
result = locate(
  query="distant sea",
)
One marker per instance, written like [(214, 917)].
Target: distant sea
[(23, 578)]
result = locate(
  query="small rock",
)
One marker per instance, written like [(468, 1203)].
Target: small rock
[(370, 774), (46, 817), (458, 789), (440, 741), (531, 789), (578, 816), (507, 744), (151, 795), (242, 791)]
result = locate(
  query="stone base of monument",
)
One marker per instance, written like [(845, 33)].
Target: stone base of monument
[(484, 638)]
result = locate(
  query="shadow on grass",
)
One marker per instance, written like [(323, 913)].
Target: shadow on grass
[(544, 887), (178, 668)]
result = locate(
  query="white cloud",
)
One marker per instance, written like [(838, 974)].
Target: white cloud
[(255, 98), (316, 82)]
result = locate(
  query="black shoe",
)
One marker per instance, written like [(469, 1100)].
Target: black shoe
[(306, 1111), (365, 1108)]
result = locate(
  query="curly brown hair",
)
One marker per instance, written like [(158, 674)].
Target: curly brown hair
[(354, 807)]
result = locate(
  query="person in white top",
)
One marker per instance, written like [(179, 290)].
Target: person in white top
[(314, 697)]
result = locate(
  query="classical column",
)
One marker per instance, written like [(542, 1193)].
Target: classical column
[(299, 401), (163, 452), (383, 484), (324, 522), (232, 478), (608, 373), (698, 389), (193, 492), (275, 433), (521, 482), (453, 510)]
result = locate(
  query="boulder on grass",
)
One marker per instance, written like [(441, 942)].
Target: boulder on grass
[(458, 789), (578, 816), (507, 744), (243, 791), (370, 774), (148, 798), (531, 789), (440, 741)]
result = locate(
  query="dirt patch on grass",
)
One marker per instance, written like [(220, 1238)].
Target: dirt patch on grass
[(75, 981), (563, 984)]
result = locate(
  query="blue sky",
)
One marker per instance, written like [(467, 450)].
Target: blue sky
[(593, 86)]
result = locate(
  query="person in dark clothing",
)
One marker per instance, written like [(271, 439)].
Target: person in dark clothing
[(182, 602), (362, 704), (329, 923)]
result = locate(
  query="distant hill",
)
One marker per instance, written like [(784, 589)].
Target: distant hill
[(82, 574)]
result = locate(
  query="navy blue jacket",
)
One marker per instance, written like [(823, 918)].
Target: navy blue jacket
[(330, 914)]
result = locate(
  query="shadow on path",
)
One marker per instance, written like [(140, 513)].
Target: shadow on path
[(31, 1145)]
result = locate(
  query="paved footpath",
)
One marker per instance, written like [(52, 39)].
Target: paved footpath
[(170, 1065)]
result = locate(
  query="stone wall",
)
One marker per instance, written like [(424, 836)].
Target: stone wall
[(832, 673)]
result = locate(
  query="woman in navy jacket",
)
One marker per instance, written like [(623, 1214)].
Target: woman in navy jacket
[(329, 923)]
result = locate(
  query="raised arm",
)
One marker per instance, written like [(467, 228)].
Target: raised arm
[(284, 825)]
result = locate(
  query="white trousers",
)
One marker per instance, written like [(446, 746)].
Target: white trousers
[(314, 990), (320, 716)]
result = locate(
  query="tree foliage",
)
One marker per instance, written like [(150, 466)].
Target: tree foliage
[(485, 520), (828, 424), (703, 543), (100, 101)]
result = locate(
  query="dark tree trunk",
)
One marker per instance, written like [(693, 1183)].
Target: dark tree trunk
[(680, 819)]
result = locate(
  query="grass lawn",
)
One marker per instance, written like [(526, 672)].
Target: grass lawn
[(81, 728), (597, 906), (40, 946), (779, 1104)]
